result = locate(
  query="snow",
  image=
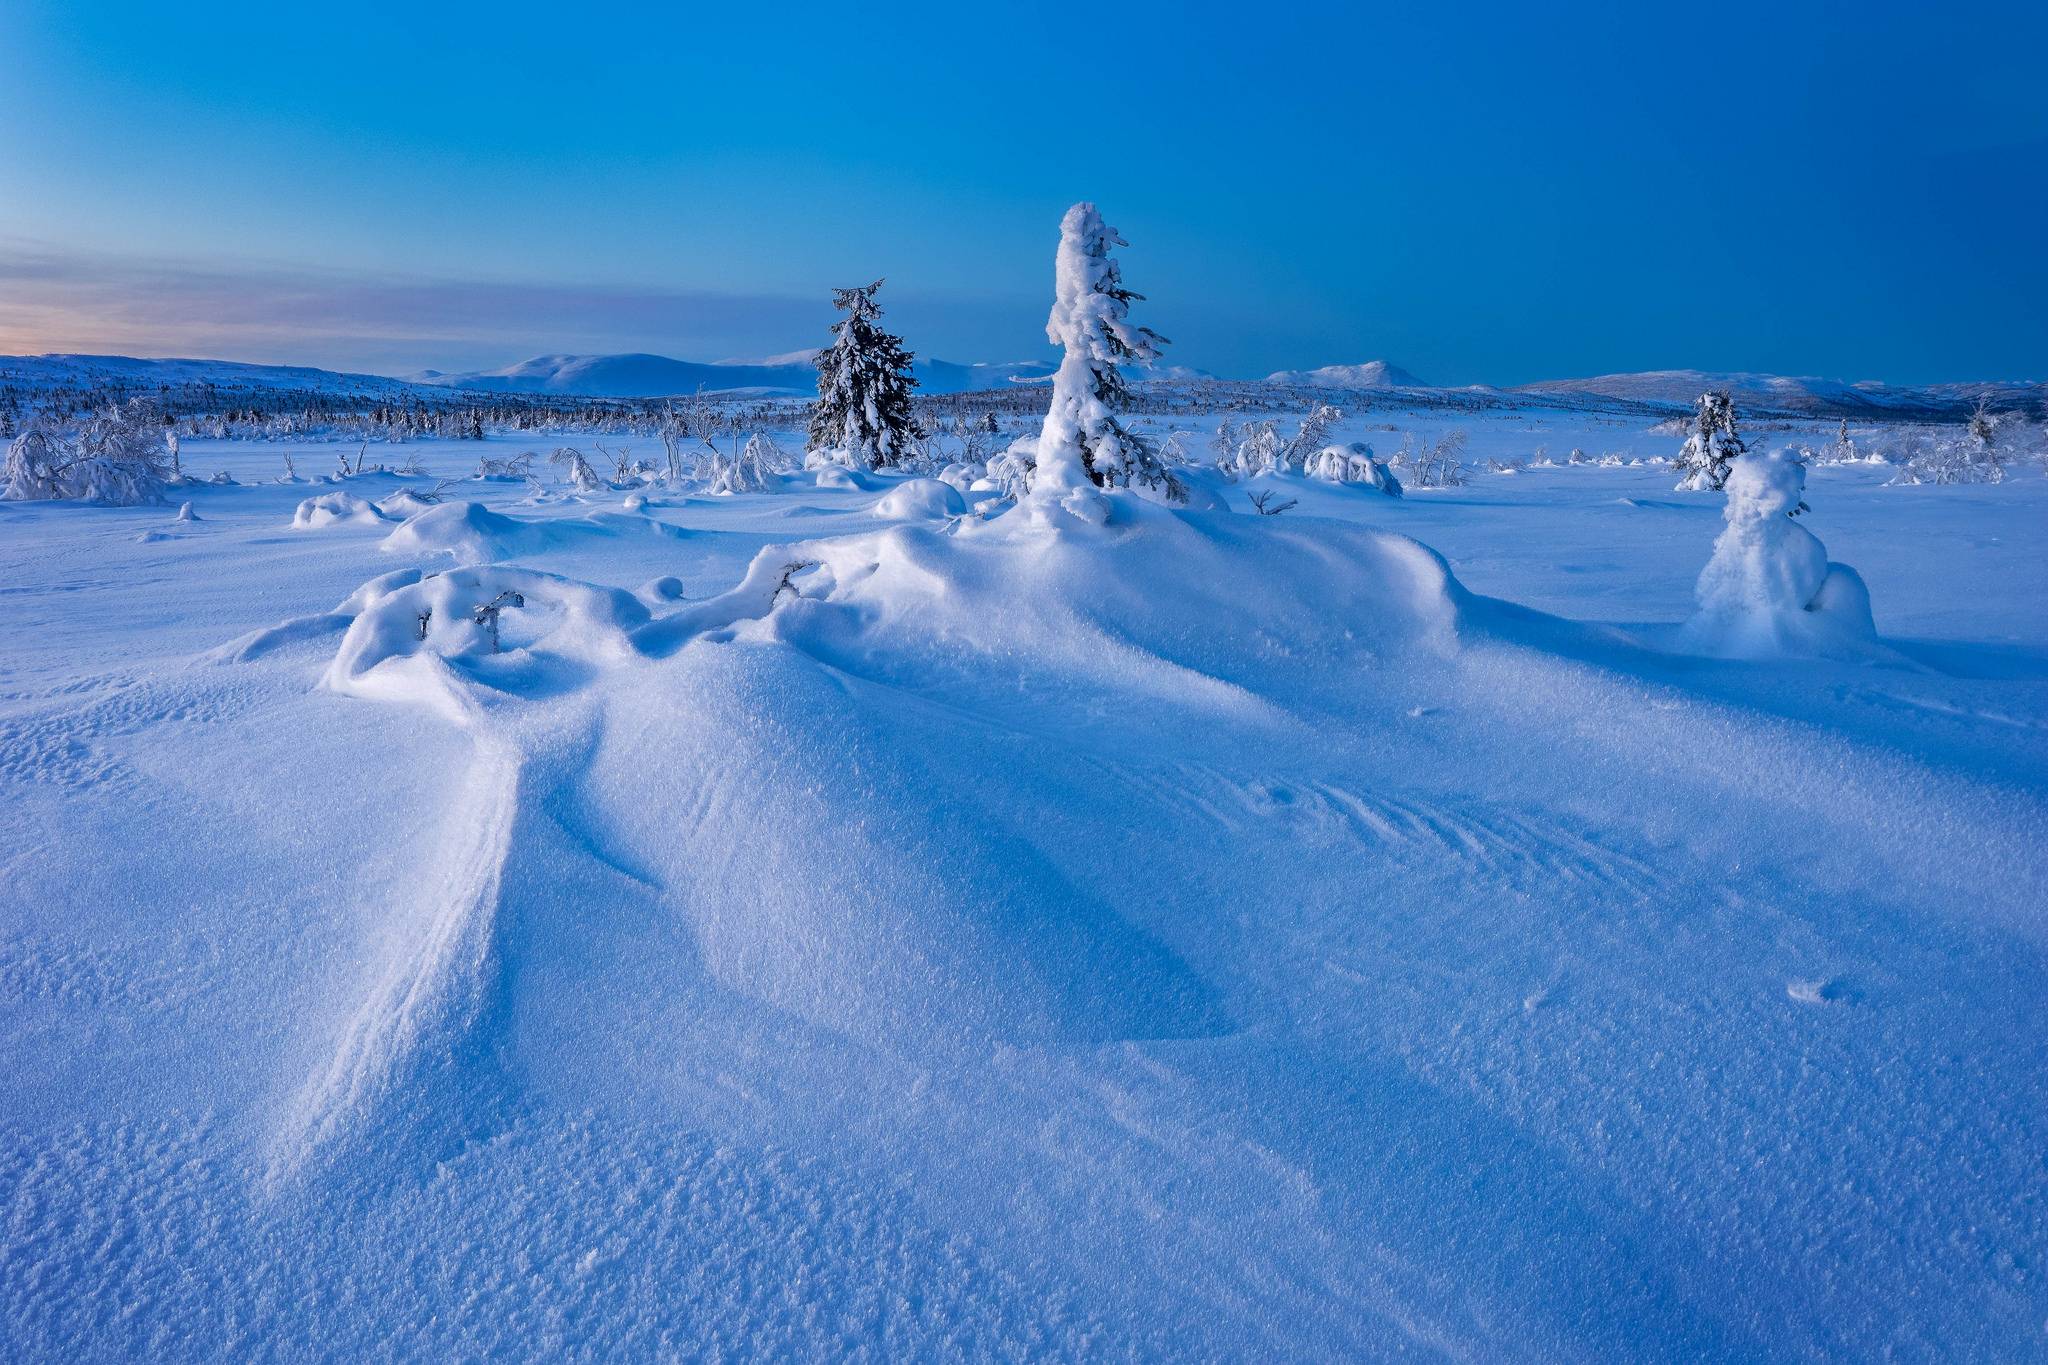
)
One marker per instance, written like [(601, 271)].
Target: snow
[(1385, 927), (334, 509), (921, 500)]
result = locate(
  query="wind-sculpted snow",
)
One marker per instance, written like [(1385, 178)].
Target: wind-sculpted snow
[(1198, 935), (906, 935)]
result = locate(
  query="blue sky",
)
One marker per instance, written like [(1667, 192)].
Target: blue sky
[(1492, 192)]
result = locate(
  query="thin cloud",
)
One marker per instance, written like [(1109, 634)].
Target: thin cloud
[(52, 299)]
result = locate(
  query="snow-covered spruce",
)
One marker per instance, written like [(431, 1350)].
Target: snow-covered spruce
[(1083, 445), (1711, 443), (863, 412), (1769, 590)]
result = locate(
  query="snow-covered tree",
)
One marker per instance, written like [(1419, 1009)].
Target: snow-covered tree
[(1259, 452), (1083, 443), (752, 470), (35, 467), (118, 457), (581, 475), (864, 385), (1983, 426), (1312, 437), (1769, 588), (1711, 444)]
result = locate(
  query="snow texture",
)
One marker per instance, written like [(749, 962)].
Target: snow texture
[(748, 926)]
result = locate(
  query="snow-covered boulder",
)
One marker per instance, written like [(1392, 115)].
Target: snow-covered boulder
[(1769, 590), (335, 509), (921, 500)]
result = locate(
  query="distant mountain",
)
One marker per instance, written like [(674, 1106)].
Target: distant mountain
[(1803, 396), (129, 374), (1373, 374), (657, 376)]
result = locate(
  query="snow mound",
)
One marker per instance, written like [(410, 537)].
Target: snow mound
[(921, 500), (469, 531), (404, 503), (1769, 591), (335, 509), (840, 477), (469, 614)]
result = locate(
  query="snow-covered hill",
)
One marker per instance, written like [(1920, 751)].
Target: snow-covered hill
[(1373, 374), (1804, 395), (655, 376), (59, 371)]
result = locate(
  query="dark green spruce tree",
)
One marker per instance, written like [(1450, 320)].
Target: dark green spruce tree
[(864, 385)]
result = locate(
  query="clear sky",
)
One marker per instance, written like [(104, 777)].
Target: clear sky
[(1494, 192)]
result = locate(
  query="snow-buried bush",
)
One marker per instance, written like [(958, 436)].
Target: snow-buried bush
[(1769, 590)]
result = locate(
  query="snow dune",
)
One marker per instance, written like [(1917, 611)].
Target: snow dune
[(1203, 934)]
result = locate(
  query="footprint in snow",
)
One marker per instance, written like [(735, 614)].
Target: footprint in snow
[(1825, 991)]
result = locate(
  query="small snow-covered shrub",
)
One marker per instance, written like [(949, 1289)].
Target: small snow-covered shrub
[(1441, 464), (581, 476), (755, 469), (1009, 472), (514, 467), (1977, 456), (1769, 588), (1353, 463)]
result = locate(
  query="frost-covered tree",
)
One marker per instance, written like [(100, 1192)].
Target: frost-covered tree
[(1711, 445), (1983, 426), (581, 475), (1258, 452), (1769, 588), (752, 470), (1083, 442), (117, 457), (864, 385), (34, 469), (1312, 437)]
